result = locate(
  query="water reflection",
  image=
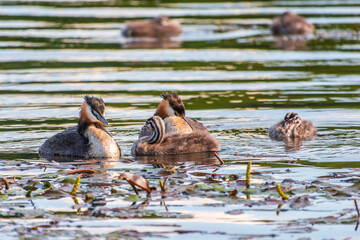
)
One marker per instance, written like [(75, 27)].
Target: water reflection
[(152, 43), (290, 44), (291, 144), (92, 163), (168, 161)]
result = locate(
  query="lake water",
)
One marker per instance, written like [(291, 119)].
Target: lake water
[(232, 75)]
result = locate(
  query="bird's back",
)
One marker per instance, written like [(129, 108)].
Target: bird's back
[(178, 144), (195, 125), (151, 29), (66, 143), (309, 130)]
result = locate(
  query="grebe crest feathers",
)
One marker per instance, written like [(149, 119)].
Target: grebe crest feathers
[(171, 105)]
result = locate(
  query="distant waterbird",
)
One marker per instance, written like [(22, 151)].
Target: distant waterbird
[(159, 27), (290, 23)]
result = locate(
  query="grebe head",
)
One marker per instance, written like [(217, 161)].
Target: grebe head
[(93, 110), (287, 13), (171, 105), (162, 19), (292, 118)]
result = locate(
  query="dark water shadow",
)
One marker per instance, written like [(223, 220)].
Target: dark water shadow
[(165, 161)]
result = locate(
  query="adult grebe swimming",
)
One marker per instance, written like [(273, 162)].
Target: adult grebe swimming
[(159, 27), (169, 131), (87, 140), (292, 127), (290, 23)]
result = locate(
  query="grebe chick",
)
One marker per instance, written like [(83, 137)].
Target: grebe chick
[(172, 110), (157, 142), (292, 127), (290, 23), (89, 139), (159, 27)]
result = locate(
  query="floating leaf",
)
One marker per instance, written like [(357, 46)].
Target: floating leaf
[(136, 180), (87, 171), (134, 198), (55, 193), (300, 202), (28, 188), (68, 180), (235, 212), (3, 197), (47, 184)]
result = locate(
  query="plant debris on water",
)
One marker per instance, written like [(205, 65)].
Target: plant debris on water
[(232, 75), (54, 199)]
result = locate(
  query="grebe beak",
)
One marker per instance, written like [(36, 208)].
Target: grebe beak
[(101, 118)]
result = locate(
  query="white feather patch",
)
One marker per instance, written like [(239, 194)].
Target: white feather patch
[(90, 115)]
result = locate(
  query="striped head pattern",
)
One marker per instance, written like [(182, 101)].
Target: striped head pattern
[(156, 125)]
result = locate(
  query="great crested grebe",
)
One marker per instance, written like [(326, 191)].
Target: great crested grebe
[(290, 23), (88, 139), (159, 27), (292, 127), (157, 141), (169, 131)]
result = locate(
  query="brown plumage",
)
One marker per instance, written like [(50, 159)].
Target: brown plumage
[(159, 27), (290, 24), (292, 127), (87, 140), (172, 105), (157, 142)]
